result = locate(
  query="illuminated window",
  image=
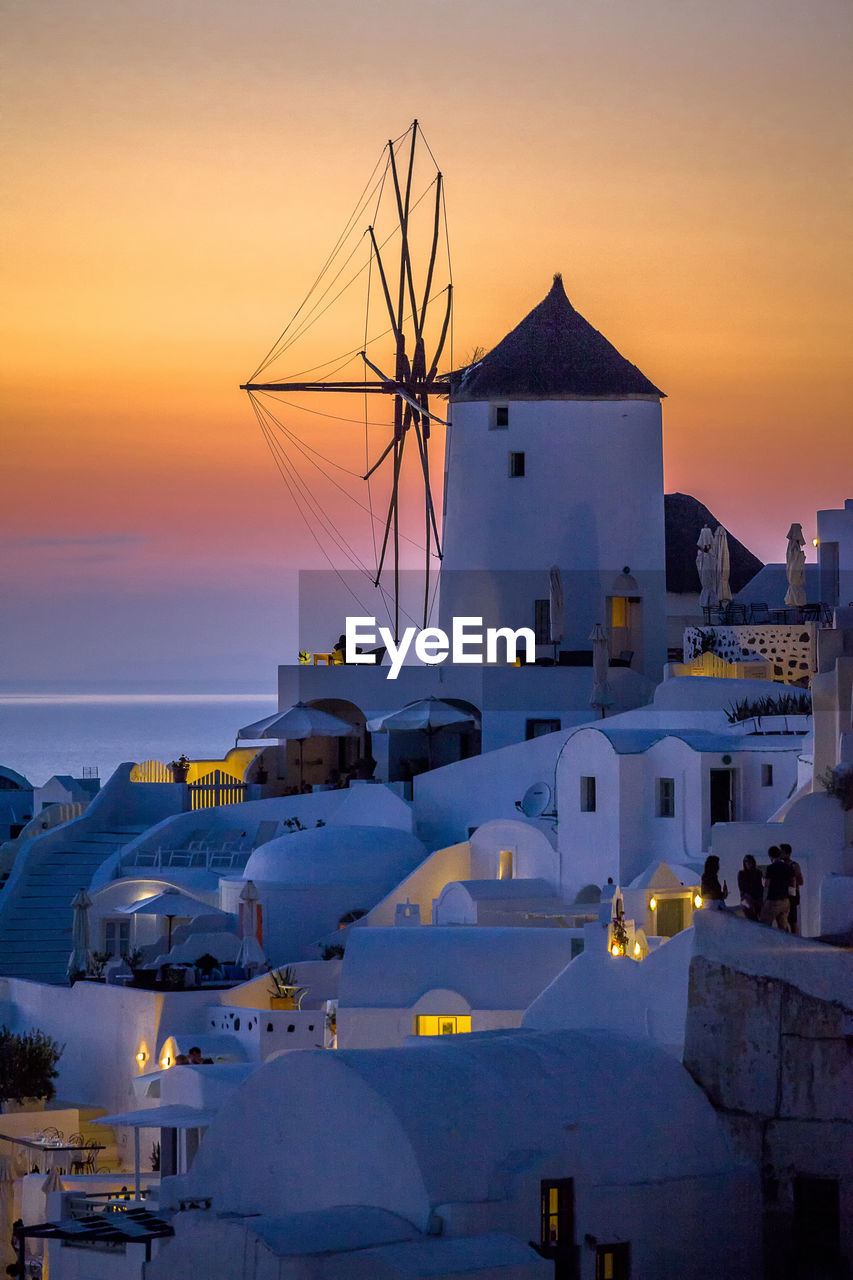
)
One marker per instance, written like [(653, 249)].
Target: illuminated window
[(431, 1024), (613, 1262), (767, 775), (500, 417), (516, 465), (620, 612), (587, 795), (505, 866), (557, 1232), (666, 797)]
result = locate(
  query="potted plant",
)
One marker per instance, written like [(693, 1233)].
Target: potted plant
[(180, 768), (284, 993)]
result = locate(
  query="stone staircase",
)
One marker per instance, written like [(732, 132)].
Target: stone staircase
[(35, 906)]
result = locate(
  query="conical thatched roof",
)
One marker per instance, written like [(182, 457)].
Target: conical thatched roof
[(685, 517), (554, 352)]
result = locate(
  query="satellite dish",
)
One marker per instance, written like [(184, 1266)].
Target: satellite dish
[(536, 800)]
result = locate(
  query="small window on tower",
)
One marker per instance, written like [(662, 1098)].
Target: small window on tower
[(500, 416), (516, 465), (767, 775)]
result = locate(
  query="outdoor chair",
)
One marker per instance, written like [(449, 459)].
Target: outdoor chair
[(759, 612), (51, 1134)]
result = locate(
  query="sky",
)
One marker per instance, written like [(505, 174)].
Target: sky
[(176, 174)]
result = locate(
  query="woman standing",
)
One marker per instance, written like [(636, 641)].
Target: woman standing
[(751, 888)]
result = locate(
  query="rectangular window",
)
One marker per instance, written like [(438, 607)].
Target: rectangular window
[(666, 797), (117, 937), (613, 1262), (542, 621), (500, 417), (430, 1024), (767, 775), (587, 795), (557, 1230), (538, 728), (516, 465), (505, 864)]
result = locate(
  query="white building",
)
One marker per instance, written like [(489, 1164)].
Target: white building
[(554, 457)]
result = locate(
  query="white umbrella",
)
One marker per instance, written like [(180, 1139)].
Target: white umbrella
[(79, 960), (706, 567), (721, 555), (601, 695), (172, 904), (557, 606), (251, 953), (297, 724), (795, 565), (429, 714)]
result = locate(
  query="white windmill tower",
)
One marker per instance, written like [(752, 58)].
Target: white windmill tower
[(555, 457)]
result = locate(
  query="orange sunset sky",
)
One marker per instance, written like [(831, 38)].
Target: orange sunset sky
[(176, 174)]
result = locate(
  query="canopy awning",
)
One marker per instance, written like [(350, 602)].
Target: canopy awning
[(173, 1116)]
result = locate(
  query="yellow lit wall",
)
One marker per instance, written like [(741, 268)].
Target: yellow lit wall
[(430, 1024)]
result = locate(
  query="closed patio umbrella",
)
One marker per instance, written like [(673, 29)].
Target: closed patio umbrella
[(795, 567), (601, 694), (706, 567), (295, 725), (721, 554), (557, 604), (429, 715), (80, 958), (251, 954)]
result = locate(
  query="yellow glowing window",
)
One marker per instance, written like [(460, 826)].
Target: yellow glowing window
[(505, 865), (621, 611), (557, 1229), (431, 1024)]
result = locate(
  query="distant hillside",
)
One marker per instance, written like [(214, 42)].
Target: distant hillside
[(685, 517)]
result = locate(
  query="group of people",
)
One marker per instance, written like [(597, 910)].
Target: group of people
[(770, 897)]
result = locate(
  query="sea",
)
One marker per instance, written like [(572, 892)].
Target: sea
[(42, 734)]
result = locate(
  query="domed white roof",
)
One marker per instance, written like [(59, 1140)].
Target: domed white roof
[(439, 1121), (336, 855)]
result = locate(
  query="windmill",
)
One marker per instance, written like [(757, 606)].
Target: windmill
[(418, 340)]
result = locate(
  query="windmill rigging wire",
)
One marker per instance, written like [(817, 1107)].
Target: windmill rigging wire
[(303, 447), (311, 319), (348, 226)]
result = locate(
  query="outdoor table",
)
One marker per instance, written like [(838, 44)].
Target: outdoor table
[(54, 1146)]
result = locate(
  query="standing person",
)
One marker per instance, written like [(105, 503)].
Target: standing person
[(777, 880), (751, 888), (710, 886), (794, 891)]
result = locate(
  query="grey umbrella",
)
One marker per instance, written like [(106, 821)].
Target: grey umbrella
[(601, 694), (81, 956), (428, 714), (556, 607), (795, 567), (295, 725), (721, 552), (706, 567)]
